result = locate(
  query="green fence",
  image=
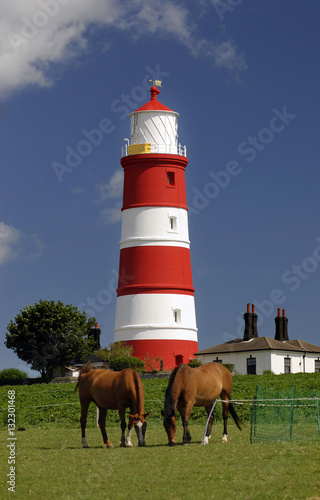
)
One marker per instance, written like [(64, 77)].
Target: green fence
[(284, 415)]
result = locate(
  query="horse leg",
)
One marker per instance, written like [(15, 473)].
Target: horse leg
[(208, 433), (128, 436), (102, 425), (185, 413), (225, 409), (83, 420), (123, 427)]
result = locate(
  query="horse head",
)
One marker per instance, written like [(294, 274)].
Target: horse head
[(140, 425), (170, 425)]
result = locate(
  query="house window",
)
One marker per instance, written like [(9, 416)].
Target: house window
[(287, 365), (217, 360), (171, 181), (177, 315), (317, 365), (172, 223), (251, 366)]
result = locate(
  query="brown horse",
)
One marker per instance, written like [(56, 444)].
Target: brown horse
[(113, 391), (201, 386)]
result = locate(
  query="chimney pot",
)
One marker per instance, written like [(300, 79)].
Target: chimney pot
[(96, 325), (248, 308), (283, 313), (253, 309), (279, 311)]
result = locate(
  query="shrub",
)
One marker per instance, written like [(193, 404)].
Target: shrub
[(123, 362), (12, 374), (194, 363), (230, 366)]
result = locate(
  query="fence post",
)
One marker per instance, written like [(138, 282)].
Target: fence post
[(318, 417), (292, 410)]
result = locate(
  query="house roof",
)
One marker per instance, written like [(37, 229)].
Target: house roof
[(261, 344)]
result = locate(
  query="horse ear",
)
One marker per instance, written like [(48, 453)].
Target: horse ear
[(146, 414), (134, 416)]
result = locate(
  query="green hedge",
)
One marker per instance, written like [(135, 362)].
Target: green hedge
[(43, 405), (123, 362)]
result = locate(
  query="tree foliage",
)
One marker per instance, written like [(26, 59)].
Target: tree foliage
[(48, 335), (115, 350)]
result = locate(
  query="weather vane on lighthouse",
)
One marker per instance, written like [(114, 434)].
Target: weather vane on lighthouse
[(157, 83)]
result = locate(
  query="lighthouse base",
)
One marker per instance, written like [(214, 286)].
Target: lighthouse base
[(163, 354)]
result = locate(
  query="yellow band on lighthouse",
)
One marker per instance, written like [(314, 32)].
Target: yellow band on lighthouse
[(138, 149)]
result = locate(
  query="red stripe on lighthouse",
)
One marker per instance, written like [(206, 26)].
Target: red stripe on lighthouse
[(154, 180), (155, 269)]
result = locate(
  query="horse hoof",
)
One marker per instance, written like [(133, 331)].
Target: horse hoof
[(109, 445), (129, 445), (224, 439), (84, 443)]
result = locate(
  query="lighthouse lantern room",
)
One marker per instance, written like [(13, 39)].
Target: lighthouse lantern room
[(155, 297)]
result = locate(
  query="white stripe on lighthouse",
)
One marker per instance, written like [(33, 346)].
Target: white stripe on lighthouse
[(155, 226), (155, 315)]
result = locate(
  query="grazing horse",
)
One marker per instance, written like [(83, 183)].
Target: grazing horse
[(201, 386), (113, 391)]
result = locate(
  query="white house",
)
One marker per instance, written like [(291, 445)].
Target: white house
[(253, 354)]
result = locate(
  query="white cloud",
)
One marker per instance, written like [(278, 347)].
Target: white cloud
[(113, 188), (9, 237), (14, 245), (111, 215), (35, 34)]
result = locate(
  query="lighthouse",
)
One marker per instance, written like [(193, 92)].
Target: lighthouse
[(155, 311)]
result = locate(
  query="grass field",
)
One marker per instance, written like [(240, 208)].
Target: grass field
[(50, 464)]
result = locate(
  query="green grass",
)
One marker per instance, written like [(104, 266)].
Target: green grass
[(51, 464)]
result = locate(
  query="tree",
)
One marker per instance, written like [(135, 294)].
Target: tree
[(48, 335)]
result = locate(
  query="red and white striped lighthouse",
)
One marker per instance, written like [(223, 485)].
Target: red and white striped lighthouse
[(155, 296)]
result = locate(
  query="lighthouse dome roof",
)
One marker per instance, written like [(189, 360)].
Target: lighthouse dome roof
[(154, 104)]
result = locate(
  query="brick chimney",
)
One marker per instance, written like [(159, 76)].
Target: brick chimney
[(250, 323), (281, 326), (95, 333)]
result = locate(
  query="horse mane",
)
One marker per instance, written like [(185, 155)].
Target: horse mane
[(169, 401), (85, 369)]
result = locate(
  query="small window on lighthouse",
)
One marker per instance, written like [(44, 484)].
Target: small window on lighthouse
[(177, 315), (171, 181), (172, 223)]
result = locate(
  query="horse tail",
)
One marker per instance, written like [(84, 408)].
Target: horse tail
[(235, 416), (139, 392), (169, 404), (85, 369)]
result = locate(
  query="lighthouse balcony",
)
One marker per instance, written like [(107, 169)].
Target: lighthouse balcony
[(147, 148)]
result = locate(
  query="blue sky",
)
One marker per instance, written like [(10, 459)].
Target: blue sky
[(244, 76)]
